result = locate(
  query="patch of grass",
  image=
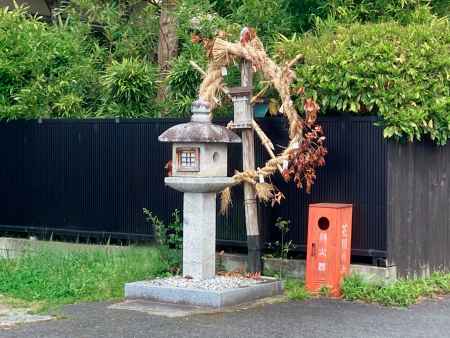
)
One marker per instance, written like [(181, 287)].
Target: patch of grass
[(404, 292), (54, 276), (295, 290)]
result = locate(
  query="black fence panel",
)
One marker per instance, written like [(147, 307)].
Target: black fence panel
[(85, 176), (355, 172), (95, 176)]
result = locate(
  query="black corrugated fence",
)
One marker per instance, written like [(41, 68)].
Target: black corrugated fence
[(93, 177)]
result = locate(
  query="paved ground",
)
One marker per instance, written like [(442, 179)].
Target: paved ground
[(10, 315), (314, 318)]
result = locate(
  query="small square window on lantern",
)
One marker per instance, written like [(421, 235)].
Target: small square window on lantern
[(188, 159)]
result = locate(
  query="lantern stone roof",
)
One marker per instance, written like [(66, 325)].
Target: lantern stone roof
[(199, 130)]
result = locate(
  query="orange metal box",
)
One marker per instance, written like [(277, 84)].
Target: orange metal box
[(329, 246)]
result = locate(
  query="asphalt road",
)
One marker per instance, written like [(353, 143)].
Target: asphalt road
[(313, 318)]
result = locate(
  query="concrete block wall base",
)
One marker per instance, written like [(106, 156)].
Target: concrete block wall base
[(199, 297), (296, 268)]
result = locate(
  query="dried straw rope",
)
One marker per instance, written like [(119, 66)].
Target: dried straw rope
[(222, 54)]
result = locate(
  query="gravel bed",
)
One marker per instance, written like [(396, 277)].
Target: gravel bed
[(217, 283)]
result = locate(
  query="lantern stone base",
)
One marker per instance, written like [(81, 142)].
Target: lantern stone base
[(268, 287)]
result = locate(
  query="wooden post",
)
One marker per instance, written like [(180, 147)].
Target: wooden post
[(248, 163)]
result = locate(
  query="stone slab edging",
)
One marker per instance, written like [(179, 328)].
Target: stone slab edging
[(296, 267)]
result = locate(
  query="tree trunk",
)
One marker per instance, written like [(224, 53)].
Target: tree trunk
[(168, 43)]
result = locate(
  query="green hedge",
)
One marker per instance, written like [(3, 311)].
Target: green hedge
[(401, 73)]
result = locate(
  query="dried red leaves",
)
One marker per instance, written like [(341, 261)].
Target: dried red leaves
[(310, 154), (311, 110)]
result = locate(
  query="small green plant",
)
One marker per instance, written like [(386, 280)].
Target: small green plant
[(282, 247), (295, 290), (220, 266), (169, 235)]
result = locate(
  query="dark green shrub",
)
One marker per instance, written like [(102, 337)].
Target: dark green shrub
[(307, 13), (398, 72), (128, 28), (268, 17), (130, 86), (350, 11), (226, 7), (184, 81), (441, 7), (199, 17)]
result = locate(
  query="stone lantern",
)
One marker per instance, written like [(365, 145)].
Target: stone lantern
[(199, 170)]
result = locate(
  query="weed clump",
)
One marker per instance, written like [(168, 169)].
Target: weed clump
[(295, 290), (403, 292)]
